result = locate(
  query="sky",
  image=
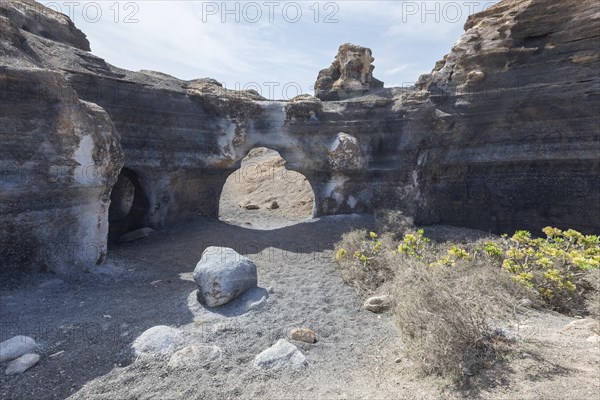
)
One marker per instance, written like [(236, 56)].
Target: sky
[(274, 47)]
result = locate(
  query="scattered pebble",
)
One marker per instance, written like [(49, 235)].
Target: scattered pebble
[(303, 335), (257, 304), (378, 304)]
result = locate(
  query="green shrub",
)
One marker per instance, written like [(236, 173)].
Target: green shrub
[(445, 300), (555, 267)]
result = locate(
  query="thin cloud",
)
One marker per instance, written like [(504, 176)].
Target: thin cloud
[(177, 38)]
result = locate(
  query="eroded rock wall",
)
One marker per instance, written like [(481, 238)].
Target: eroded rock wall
[(502, 135), (518, 104), (59, 158)]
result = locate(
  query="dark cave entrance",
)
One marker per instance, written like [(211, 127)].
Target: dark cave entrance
[(128, 206)]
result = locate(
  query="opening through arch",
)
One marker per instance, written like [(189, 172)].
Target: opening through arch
[(264, 194), (128, 206)]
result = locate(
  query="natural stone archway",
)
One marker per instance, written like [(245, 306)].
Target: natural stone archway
[(264, 194), (128, 206), (349, 170)]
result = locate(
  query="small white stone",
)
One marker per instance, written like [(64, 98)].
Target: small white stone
[(22, 364), (257, 304), (282, 354), (593, 339)]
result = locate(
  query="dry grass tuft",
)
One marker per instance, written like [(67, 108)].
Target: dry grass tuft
[(365, 278), (448, 316), (393, 222)]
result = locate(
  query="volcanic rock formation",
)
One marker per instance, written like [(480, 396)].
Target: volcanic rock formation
[(503, 134), (350, 74), (60, 155), (516, 142)]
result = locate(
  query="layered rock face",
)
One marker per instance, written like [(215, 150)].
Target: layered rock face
[(350, 74), (518, 124), (59, 157), (502, 135), (33, 17)]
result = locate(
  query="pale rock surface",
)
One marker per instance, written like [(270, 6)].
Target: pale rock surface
[(350, 74), (282, 354), (195, 357), (16, 347), (22, 364), (158, 340)]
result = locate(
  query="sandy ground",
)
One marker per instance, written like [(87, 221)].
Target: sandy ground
[(95, 319), (86, 325)]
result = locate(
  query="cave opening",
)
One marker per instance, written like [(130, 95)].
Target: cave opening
[(265, 194), (128, 206)]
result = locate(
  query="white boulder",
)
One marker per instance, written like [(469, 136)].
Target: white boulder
[(223, 275), (16, 347)]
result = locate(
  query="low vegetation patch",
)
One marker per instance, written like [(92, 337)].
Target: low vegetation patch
[(452, 300), (556, 267)]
